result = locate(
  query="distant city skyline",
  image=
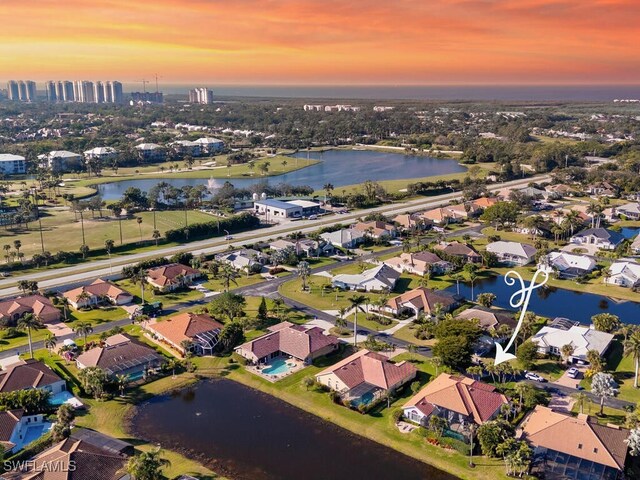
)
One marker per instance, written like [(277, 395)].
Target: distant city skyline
[(371, 42)]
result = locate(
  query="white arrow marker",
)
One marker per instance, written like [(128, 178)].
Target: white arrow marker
[(520, 299)]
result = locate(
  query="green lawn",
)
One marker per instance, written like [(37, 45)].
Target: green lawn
[(611, 415), (149, 296), (216, 285), (62, 230), (371, 324), (624, 372), (406, 334)]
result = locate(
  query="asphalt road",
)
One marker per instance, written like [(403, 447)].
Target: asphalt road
[(77, 274)]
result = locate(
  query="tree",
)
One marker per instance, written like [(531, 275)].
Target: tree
[(470, 270), (581, 399), (633, 442), (632, 349), (304, 270), (50, 342), (501, 214), (122, 381), (455, 352), (566, 351), (595, 362), (84, 250), (438, 424), (522, 389), (29, 322), (140, 278), (356, 303), (147, 465), (604, 386), (606, 322), (108, 246), (62, 428), (228, 275), (262, 310), (84, 329), (228, 305), (491, 434), (486, 299), (231, 336), (139, 222), (527, 354), (93, 380), (156, 236)]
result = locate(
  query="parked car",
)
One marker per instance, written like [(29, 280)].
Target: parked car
[(535, 377), (573, 372)]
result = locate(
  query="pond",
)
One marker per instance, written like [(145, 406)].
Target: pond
[(338, 167), (556, 302), (245, 434)]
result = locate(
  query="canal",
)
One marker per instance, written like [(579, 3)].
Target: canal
[(248, 435), (337, 167)]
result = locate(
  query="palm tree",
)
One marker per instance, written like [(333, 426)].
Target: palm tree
[(156, 236), (50, 342), (632, 348), (436, 362), (304, 270), (340, 320), (328, 188), (228, 275), (147, 465), (581, 398), (139, 220), (84, 329), (122, 381), (356, 303), (28, 322), (17, 244), (140, 278), (108, 246)]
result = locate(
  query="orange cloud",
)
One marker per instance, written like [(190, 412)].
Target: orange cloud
[(329, 41)]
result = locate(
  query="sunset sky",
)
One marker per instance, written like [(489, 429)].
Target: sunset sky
[(324, 41)]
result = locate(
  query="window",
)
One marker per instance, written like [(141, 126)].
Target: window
[(579, 446)]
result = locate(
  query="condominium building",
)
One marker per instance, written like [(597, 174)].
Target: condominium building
[(146, 97), (12, 164), (201, 95), (21, 90)]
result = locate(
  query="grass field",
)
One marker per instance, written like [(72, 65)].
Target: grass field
[(62, 232)]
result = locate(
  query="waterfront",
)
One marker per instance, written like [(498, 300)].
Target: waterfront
[(556, 302), (337, 167), (246, 434)]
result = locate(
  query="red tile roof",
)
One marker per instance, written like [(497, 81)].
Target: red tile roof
[(422, 298), (166, 274), (295, 340), (372, 368), (35, 304), (185, 326), (459, 394), (98, 288)]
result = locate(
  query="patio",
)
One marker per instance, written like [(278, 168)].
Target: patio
[(277, 368)]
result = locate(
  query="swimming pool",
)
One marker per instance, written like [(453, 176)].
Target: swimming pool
[(278, 366), (363, 400), (31, 434), (60, 398)]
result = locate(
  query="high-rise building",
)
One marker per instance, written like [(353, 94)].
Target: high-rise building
[(201, 95), (13, 92), (67, 89), (106, 92), (59, 91), (21, 90), (117, 95), (146, 97), (98, 92), (52, 93)]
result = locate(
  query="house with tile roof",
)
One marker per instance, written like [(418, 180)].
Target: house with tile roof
[(460, 400), (120, 355), (489, 318), (574, 448), (624, 274), (422, 300), (14, 308), (600, 237), (377, 279), (567, 265), (365, 376), (245, 259), (97, 292), (459, 250), (485, 202), (411, 221), (444, 215), (285, 338), (629, 210), (200, 329), (30, 374), (73, 459), (512, 253), (344, 238), (376, 229), (551, 339), (602, 189), (172, 276), (419, 263)]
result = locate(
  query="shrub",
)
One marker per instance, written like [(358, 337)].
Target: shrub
[(397, 415)]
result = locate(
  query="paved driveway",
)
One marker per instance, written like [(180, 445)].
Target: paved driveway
[(566, 381)]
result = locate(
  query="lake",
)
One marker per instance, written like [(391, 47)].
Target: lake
[(556, 302), (338, 167), (246, 434)]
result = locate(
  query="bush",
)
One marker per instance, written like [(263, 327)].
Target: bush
[(397, 415), (239, 223), (276, 270)]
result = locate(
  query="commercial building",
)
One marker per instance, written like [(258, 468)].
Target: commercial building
[(274, 209), (12, 164), (201, 95)]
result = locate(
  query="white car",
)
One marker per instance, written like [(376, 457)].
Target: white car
[(573, 372), (535, 377)]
